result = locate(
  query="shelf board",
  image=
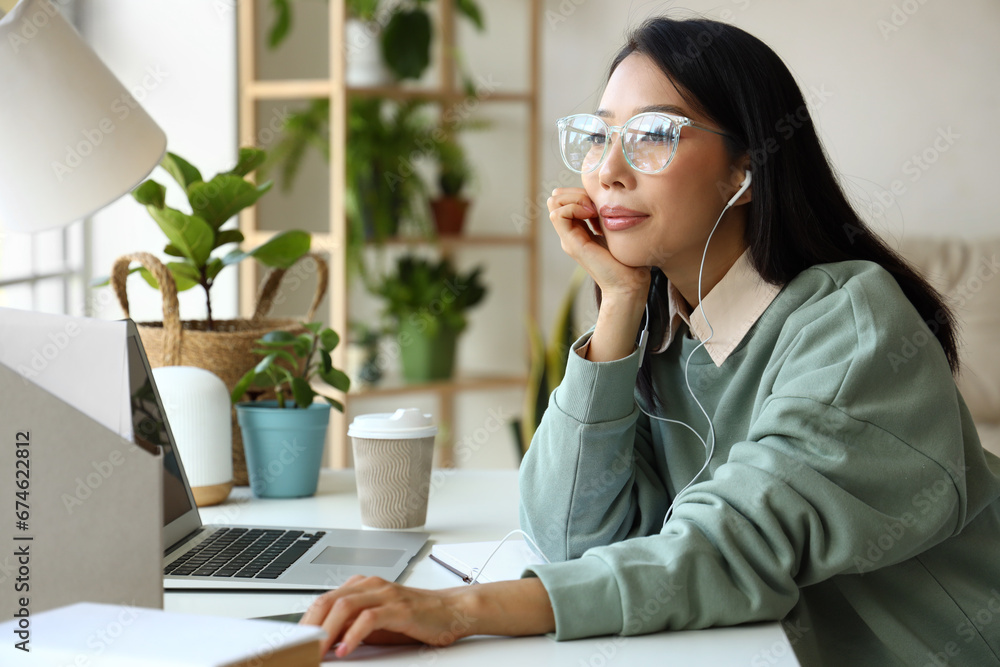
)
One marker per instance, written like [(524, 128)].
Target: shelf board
[(459, 240), (320, 241), (435, 94), (288, 89), (467, 383), (310, 88)]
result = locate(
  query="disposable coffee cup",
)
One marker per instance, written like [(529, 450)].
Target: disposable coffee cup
[(393, 454)]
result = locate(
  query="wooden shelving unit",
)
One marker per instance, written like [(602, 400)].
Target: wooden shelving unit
[(251, 91)]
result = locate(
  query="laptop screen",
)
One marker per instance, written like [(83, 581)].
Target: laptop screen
[(151, 431)]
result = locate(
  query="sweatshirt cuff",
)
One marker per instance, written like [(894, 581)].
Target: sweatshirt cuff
[(585, 598), (597, 391)]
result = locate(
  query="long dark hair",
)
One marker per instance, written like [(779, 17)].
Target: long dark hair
[(799, 215)]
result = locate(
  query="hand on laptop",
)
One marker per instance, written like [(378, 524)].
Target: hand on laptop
[(376, 611)]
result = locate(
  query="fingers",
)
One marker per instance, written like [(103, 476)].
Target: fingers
[(367, 622), (335, 609)]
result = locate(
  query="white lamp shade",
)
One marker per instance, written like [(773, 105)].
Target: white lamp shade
[(72, 138)]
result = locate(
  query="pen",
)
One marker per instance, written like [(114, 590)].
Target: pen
[(467, 578)]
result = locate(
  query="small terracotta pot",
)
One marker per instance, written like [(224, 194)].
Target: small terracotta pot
[(449, 215)]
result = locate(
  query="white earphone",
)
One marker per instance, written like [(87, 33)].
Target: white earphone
[(644, 335)]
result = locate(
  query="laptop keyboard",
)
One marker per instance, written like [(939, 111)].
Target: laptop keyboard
[(256, 553)]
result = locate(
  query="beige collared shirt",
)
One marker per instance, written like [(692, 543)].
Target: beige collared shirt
[(732, 307)]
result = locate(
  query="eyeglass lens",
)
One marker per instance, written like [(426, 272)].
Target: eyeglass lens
[(647, 139)]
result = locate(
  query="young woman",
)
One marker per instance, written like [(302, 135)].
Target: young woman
[(740, 438)]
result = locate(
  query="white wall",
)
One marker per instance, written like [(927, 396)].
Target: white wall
[(896, 72), (178, 57)]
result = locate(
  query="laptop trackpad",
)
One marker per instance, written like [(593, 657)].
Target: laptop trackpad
[(358, 556)]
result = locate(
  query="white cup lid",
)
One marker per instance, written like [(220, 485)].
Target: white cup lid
[(402, 424)]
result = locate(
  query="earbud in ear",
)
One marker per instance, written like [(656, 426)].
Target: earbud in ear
[(743, 188)]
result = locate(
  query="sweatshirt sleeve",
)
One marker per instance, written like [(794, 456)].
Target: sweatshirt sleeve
[(571, 502), (847, 467)]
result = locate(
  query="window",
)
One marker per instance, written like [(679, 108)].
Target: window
[(44, 271)]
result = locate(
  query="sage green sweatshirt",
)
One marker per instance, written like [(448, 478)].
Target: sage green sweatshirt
[(847, 494)]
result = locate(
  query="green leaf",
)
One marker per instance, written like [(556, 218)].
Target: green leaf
[(329, 339), (334, 402), (173, 250), (183, 171), (185, 275), (189, 234), (302, 345), (150, 193), (267, 362), (283, 249), (336, 379), (277, 337), (249, 160), (235, 256), (471, 11), (278, 353), (315, 327), (562, 336), (223, 197), (406, 43), (213, 267), (303, 393), (282, 22), (326, 362), (243, 384), (228, 236)]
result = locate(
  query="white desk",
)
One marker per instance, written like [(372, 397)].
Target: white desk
[(468, 506)]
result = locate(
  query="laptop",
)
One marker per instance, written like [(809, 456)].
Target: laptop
[(259, 558)]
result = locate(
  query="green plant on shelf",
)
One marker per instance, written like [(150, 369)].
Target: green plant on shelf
[(407, 35), (426, 304)]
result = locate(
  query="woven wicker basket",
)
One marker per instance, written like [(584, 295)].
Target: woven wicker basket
[(226, 351)]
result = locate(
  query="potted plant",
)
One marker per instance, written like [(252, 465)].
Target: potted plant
[(193, 237), (362, 355), (547, 364), (400, 36), (384, 189), (200, 246), (426, 303), (449, 208), (284, 437)]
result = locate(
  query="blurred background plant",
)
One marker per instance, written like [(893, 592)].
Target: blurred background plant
[(407, 35)]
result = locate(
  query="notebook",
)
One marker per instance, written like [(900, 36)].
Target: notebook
[(486, 562), (296, 559)]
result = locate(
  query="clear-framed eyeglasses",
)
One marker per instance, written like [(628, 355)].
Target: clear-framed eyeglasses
[(648, 140)]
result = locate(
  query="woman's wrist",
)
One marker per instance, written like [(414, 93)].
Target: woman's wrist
[(509, 608), (617, 325)]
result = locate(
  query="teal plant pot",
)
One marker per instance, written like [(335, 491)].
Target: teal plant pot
[(284, 448), (426, 358)]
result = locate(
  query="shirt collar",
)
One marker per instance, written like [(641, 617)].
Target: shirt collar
[(733, 306)]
